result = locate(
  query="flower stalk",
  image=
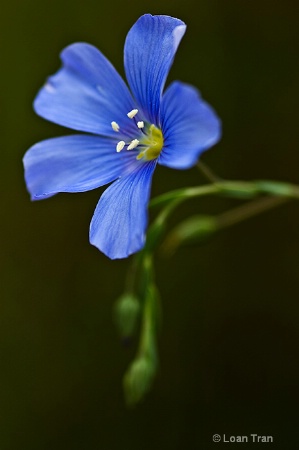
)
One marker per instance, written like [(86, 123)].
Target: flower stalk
[(230, 188), (264, 195), (141, 372)]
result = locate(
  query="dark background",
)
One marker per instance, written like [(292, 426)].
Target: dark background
[(229, 345)]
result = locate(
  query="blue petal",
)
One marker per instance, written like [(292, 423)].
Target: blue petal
[(149, 51), (120, 219), (189, 126), (72, 164), (86, 94)]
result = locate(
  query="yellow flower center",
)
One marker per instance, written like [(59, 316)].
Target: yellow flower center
[(149, 145), (153, 142)]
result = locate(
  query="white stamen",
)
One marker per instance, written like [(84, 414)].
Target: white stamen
[(140, 124), (120, 146), (132, 113), (133, 144), (115, 126)]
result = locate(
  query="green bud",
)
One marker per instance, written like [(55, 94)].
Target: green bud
[(194, 229), (126, 314), (138, 379)]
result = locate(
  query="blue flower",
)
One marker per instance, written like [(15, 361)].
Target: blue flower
[(128, 133)]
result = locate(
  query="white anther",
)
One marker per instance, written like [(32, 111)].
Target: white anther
[(133, 144), (140, 124), (120, 146), (115, 126), (132, 113)]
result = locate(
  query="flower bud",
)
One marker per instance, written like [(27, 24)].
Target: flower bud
[(138, 379), (193, 229), (126, 313)]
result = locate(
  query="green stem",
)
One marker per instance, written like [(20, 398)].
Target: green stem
[(147, 343), (183, 194), (277, 193), (235, 189), (207, 172)]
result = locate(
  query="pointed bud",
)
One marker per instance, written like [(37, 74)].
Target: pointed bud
[(194, 229), (126, 314), (138, 379)]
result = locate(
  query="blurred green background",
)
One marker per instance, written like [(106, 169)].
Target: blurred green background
[(229, 345)]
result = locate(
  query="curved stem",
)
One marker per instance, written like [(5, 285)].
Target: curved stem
[(185, 193), (207, 172), (277, 193), (231, 188)]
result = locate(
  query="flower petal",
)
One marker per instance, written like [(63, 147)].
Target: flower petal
[(149, 51), (189, 126), (72, 164), (120, 219), (86, 94)]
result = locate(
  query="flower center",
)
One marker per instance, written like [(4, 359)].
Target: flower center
[(148, 145), (153, 143)]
